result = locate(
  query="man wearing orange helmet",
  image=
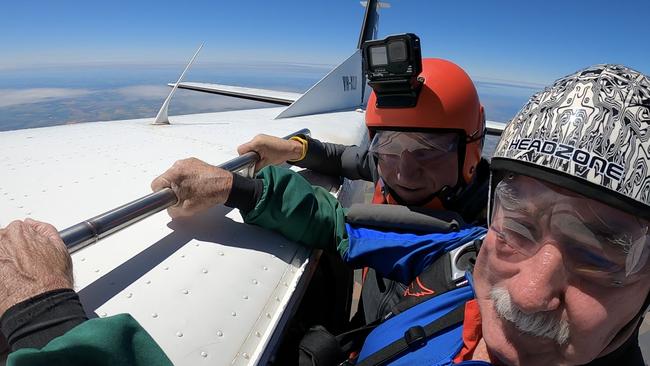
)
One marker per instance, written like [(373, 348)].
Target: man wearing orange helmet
[(428, 155)]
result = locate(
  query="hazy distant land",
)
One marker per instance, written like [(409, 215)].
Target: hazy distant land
[(61, 95)]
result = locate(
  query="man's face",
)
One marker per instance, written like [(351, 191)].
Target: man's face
[(416, 165), (553, 285)]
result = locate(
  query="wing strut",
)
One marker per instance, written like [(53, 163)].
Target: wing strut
[(161, 117)]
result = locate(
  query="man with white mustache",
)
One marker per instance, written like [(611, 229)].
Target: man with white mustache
[(539, 324), (562, 276)]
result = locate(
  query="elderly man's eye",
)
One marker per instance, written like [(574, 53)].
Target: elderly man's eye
[(587, 261), (504, 241), (520, 234)]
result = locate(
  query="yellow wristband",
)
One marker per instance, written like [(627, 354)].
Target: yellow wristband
[(304, 144)]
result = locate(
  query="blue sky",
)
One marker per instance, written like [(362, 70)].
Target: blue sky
[(77, 61), (522, 41)]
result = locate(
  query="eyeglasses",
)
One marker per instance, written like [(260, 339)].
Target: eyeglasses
[(423, 146), (598, 243)]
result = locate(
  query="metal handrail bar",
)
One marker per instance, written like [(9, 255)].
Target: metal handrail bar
[(92, 230)]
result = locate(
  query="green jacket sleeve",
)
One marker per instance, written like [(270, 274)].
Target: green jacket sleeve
[(305, 214), (116, 340)]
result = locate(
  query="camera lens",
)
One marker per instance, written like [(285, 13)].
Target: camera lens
[(378, 56), (397, 51)]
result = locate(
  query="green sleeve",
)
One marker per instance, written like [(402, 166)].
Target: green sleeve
[(116, 340), (305, 214)]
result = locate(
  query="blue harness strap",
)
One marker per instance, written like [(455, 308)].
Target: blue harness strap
[(415, 337), (433, 349)]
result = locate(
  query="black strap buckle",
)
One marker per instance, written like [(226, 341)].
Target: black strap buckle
[(415, 337)]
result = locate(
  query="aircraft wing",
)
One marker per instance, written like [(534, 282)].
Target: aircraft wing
[(261, 95), (494, 128), (208, 289)]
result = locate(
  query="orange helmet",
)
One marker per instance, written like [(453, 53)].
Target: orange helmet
[(448, 100)]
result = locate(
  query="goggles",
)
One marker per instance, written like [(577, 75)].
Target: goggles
[(598, 243), (422, 145)]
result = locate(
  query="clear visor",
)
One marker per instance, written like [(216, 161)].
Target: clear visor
[(424, 143), (598, 242)]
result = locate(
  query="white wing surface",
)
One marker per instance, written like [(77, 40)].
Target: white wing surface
[(208, 289)]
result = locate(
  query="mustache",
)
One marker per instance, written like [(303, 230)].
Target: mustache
[(541, 324)]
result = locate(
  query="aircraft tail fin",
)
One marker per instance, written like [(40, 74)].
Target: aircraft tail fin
[(345, 86), (370, 23), (338, 90), (369, 30)]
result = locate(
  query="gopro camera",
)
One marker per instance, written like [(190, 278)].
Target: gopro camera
[(392, 66)]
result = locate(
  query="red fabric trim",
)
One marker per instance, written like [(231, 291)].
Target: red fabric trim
[(472, 332), (378, 197), (417, 289), (364, 273)]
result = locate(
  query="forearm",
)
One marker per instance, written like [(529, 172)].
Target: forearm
[(351, 162), (402, 256), (36, 321), (322, 157), (116, 340), (52, 329), (283, 201)]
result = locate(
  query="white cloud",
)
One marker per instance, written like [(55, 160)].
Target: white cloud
[(144, 91), (10, 97)]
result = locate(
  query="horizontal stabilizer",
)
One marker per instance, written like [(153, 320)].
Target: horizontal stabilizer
[(261, 95), (495, 128)]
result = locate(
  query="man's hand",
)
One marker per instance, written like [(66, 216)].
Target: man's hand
[(33, 260), (272, 150), (198, 186)]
